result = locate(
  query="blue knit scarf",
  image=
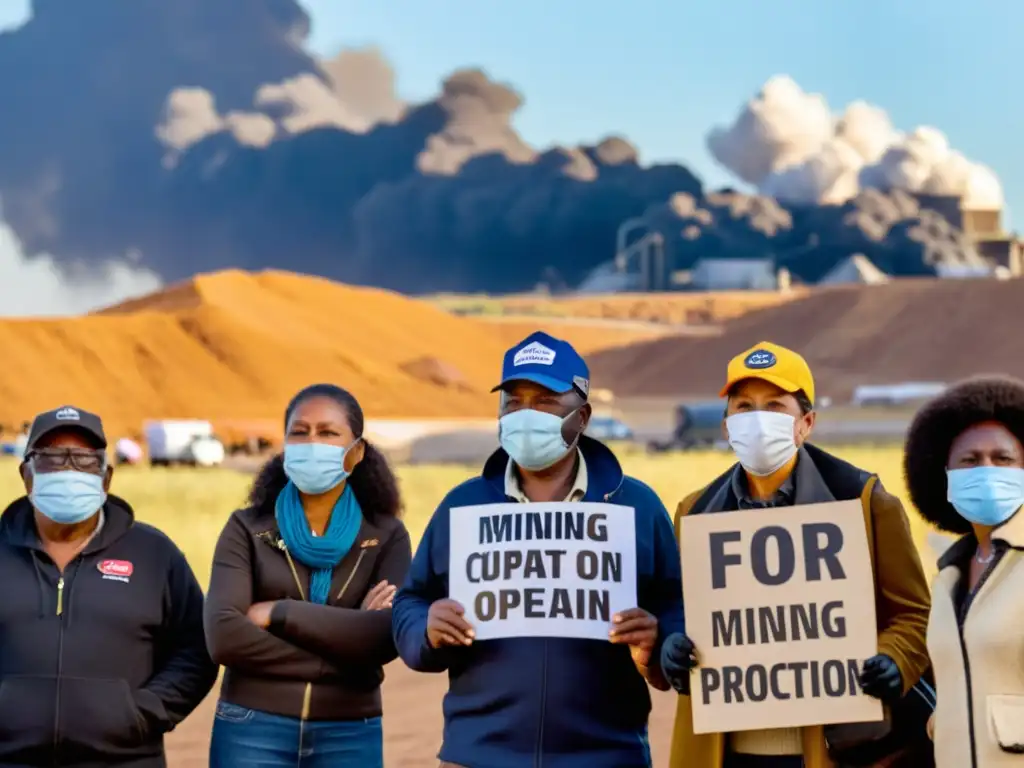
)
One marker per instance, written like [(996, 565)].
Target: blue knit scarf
[(319, 553)]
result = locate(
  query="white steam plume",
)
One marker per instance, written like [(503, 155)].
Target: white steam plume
[(37, 287), (357, 93), (789, 145)]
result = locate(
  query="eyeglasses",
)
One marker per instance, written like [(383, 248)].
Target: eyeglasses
[(58, 459)]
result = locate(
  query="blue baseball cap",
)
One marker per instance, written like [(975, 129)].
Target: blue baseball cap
[(547, 361)]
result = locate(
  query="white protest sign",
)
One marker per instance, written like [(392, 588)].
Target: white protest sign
[(543, 570), (780, 606)]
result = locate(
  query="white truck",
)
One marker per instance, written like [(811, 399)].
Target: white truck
[(182, 441)]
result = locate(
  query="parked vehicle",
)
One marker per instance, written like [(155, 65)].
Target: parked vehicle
[(184, 442), (698, 425), (608, 428), (896, 395)]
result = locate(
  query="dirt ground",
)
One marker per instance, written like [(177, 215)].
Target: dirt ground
[(412, 724)]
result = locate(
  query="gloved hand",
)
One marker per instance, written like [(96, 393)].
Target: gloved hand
[(881, 678), (678, 657)]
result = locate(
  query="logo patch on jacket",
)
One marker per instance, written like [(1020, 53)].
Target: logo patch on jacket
[(116, 570)]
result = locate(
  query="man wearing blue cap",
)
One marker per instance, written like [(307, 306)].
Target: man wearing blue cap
[(527, 701)]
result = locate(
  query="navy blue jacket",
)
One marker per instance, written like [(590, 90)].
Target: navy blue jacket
[(543, 702)]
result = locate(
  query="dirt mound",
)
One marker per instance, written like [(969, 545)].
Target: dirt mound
[(234, 346), (436, 372), (670, 308), (915, 330), (586, 335)]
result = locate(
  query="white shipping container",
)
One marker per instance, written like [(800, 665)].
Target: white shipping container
[(182, 441)]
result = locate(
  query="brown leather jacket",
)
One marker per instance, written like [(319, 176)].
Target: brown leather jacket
[(317, 662), (902, 601)]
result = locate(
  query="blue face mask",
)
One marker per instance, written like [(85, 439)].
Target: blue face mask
[(68, 497), (533, 439), (315, 468), (986, 495)]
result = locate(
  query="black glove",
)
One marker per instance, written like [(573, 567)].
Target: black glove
[(677, 659), (881, 678)]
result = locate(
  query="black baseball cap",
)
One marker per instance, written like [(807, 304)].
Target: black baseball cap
[(67, 417)]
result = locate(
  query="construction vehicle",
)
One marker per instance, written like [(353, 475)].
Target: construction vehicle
[(697, 425)]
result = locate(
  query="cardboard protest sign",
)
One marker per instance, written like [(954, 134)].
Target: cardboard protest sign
[(543, 570), (780, 605)]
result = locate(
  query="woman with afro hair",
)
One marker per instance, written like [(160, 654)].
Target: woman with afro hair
[(299, 605), (964, 466)]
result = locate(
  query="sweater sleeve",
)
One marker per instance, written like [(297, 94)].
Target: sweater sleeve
[(424, 585), (233, 640), (903, 600), (665, 599), (347, 635), (187, 673)]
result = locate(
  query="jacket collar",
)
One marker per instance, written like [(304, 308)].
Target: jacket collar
[(604, 473), (1010, 534), (808, 486), (17, 524), (514, 490)]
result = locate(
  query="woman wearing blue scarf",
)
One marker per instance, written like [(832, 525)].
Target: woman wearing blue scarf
[(299, 605)]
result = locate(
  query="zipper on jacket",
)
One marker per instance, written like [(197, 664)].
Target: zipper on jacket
[(344, 587), (307, 699), (61, 586), (60, 671), (307, 694), (961, 621), (60, 668), (295, 574)]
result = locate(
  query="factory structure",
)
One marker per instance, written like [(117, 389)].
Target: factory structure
[(731, 241)]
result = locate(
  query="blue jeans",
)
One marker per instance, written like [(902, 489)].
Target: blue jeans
[(247, 738)]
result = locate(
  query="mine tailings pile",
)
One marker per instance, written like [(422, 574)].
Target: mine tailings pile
[(905, 330)]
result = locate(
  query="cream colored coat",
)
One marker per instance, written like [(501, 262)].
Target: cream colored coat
[(992, 653)]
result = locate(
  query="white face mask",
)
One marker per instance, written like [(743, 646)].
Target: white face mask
[(763, 440), (533, 439)]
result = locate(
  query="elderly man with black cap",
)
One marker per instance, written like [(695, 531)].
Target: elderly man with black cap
[(526, 701), (101, 624)]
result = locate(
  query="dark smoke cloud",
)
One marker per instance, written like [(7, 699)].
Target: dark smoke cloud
[(199, 134), (894, 231)]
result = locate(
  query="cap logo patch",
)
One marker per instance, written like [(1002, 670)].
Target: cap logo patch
[(760, 358), (582, 384), (534, 353), (67, 414)]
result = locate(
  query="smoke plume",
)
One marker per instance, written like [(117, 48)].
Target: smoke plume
[(201, 135), (789, 145)]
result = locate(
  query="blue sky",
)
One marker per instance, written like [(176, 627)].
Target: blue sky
[(662, 73)]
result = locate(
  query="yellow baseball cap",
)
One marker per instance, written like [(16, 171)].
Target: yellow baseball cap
[(769, 362)]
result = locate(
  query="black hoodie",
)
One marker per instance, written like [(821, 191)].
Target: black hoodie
[(97, 663)]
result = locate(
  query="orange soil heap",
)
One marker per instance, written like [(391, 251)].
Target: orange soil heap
[(237, 346), (668, 308)]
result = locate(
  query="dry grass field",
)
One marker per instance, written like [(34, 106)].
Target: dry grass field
[(192, 505)]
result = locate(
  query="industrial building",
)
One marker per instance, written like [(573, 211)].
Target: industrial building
[(730, 241)]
